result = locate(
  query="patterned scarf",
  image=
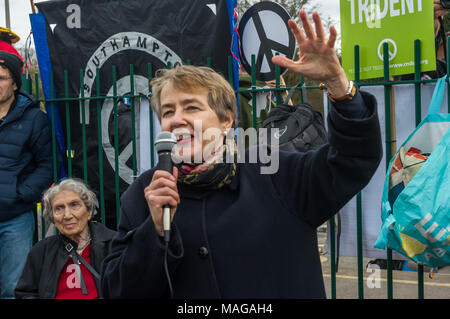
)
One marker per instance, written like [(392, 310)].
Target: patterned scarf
[(211, 174)]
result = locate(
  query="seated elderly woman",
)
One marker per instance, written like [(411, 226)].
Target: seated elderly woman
[(239, 232), (67, 266)]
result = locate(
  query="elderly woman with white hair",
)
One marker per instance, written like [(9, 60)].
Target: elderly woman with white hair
[(67, 265)]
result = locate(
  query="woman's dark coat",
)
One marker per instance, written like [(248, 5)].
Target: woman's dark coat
[(46, 260), (254, 238)]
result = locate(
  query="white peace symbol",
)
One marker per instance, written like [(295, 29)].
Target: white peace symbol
[(123, 87), (391, 54)]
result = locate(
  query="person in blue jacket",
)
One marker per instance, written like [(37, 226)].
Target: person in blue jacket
[(237, 232), (25, 169)]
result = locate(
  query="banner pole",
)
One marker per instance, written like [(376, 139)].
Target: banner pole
[(32, 6), (7, 16)]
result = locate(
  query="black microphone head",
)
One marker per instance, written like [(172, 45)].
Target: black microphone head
[(165, 141)]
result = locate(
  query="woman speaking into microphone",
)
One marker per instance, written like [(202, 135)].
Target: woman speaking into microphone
[(237, 232)]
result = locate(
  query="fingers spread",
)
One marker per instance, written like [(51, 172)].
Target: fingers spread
[(307, 25), (296, 31), (282, 61), (333, 37), (319, 28)]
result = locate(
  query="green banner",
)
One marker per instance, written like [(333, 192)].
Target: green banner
[(371, 23)]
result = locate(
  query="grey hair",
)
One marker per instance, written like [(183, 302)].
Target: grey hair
[(70, 184)]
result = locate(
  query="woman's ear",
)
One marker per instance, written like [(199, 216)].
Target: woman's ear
[(228, 123)]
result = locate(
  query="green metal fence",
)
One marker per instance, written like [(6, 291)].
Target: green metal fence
[(33, 88)]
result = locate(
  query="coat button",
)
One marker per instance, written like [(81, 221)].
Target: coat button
[(203, 252)]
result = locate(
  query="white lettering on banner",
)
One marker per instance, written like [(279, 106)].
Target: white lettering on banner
[(363, 9), (394, 12), (381, 14), (369, 11), (427, 232), (391, 66), (120, 42), (114, 44)]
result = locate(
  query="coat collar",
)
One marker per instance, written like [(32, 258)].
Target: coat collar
[(21, 102), (99, 234)]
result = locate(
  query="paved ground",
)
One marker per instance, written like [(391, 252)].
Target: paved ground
[(405, 284)]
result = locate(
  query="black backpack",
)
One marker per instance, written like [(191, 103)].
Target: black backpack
[(300, 127)]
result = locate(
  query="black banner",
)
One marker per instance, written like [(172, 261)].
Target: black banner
[(86, 35)]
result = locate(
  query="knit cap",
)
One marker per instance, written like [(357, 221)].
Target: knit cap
[(14, 64)]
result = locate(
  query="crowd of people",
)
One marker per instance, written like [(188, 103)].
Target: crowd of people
[(224, 243)]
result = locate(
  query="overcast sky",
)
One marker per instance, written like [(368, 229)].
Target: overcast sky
[(20, 9)]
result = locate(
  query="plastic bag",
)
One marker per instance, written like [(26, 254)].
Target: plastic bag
[(416, 206)]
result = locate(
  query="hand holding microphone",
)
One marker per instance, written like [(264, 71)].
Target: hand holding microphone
[(162, 193)]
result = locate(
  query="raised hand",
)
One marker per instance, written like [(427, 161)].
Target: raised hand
[(317, 59)]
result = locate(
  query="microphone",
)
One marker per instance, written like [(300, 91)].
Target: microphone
[(164, 143)]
